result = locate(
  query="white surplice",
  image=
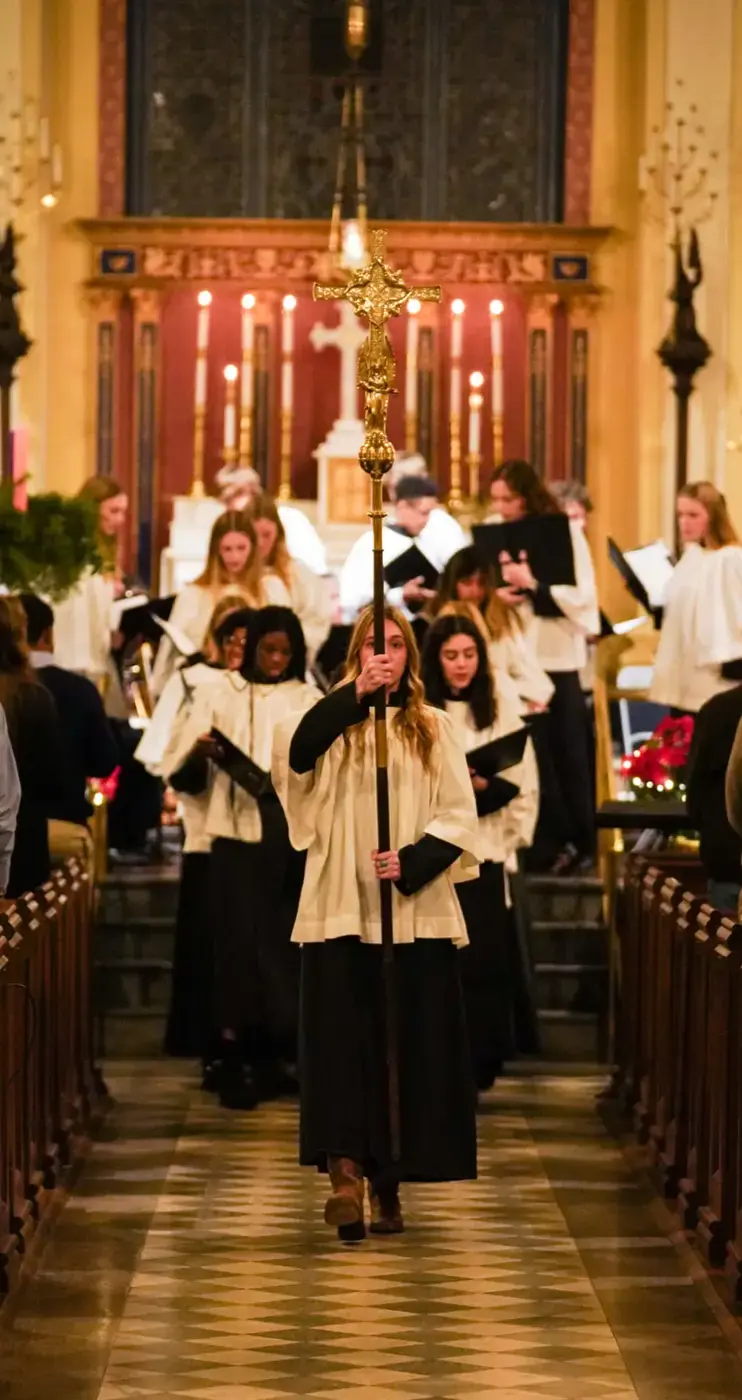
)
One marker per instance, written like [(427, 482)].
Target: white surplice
[(701, 627), (331, 814), (357, 573), (510, 830), (83, 622), (302, 541), (560, 643), (192, 612)]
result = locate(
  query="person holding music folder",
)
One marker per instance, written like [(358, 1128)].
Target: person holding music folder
[(233, 564), (325, 774), (190, 1028), (310, 596), (224, 751), (411, 573), (700, 647), (553, 584), (458, 678)]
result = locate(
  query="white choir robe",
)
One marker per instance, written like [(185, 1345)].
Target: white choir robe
[(510, 830), (357, 574), (442, 537), (701, 628), (302, 541), (309, 596), (560, 643), (83, 622), (192, 612), (160, 741), (247, 713), (514, 654), (331, 814)]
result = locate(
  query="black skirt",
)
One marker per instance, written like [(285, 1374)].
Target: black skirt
[(342, 1066), (190, 1024), (254, 894), (485, 972)]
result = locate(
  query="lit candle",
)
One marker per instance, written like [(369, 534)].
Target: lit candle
[(57, 167), (287, 346), (248, 337), (496, 310), (498, 389), (202, 346), (476, 380), (457, 342), (44, 142), (231, 373), (413, 309)]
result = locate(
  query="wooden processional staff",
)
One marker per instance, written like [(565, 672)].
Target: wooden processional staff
[(376, 293)]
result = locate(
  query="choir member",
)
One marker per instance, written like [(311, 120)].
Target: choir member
[(700, 647), (239, 486), (458, 678), (558, 620), (83, 621), (190, 1024), (10, 798), (252, 892), (232, 564), (416, 497), (468, 579), (442, 535), (325, 774), (310, 598), (38, 748)]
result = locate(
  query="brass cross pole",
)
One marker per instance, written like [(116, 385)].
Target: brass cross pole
[(376, 292)]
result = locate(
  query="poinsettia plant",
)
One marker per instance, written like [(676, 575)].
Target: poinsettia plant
[(657, 768), (103, 790)]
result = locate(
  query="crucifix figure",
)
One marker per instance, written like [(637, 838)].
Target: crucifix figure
[(376, 292), (348, 337)]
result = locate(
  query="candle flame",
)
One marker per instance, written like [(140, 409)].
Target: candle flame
[(458, 307), (475, 400), (204, 298), (497, 307), (289, 303), (48, 200), (476, 379), (413, 306), (248, 301), (230, 373)]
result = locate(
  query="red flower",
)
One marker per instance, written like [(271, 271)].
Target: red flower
[(664, 757)]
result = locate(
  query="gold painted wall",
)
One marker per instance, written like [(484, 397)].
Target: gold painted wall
[(53, 44)]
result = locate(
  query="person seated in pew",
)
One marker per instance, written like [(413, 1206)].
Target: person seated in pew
[(91, 748)]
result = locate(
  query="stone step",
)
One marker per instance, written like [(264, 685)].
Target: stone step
[(579, 1037), (134, 985), (150, 940), (132, 1035), (133, 895), (569, 943), (571, 988), (578, 897)]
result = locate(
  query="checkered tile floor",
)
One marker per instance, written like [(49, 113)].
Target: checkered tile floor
[(547, 1278)]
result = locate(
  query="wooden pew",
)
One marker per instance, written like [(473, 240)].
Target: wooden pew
[(694, 1184), (48, 1089), (673, 1113), (716, 1176)]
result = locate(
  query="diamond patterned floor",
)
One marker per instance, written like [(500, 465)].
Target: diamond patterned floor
[(193, 1262)]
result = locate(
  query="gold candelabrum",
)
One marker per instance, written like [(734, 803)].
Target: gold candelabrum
[(677, 175)]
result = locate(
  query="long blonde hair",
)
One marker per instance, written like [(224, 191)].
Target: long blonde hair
[(279, 559), (215, 575), (721, 530), (414, 722), (97, 490)]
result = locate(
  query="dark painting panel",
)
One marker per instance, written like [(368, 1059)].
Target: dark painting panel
[(234, 108)]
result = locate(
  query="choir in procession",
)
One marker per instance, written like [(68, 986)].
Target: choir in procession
[(266, 752)]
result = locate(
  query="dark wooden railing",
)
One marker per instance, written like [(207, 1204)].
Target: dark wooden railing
[(680, 1047), (48, 1084)]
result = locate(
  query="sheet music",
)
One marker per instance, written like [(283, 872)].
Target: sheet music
[(654, 569), (622, 629), (180, 641)]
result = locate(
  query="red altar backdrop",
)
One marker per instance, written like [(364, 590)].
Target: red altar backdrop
[(317, 381)]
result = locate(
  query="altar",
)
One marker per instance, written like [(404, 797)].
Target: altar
[(520, 314)]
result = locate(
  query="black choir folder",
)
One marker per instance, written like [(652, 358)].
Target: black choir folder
[(545, 539), (239, 766), (139, 618), (412, 563), (499, 755), (646, 572)]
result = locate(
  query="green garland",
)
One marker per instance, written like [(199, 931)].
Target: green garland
[(46, 548)]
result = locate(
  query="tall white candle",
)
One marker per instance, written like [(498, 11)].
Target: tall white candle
[(57, 167), (201, 381), (457, 343), (476, 380), (413, 330), (230, 407), (287, 346), (204, 312), (248, 344), (498, 395)]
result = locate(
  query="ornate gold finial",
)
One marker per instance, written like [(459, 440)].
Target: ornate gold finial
[(376, 292)]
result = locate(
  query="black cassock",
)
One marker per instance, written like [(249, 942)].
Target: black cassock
[(342, 1055)]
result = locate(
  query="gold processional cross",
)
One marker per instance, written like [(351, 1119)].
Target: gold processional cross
[(376, 292)]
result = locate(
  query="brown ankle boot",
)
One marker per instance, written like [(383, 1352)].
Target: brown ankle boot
[(386, 1210), (344, 1206)]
